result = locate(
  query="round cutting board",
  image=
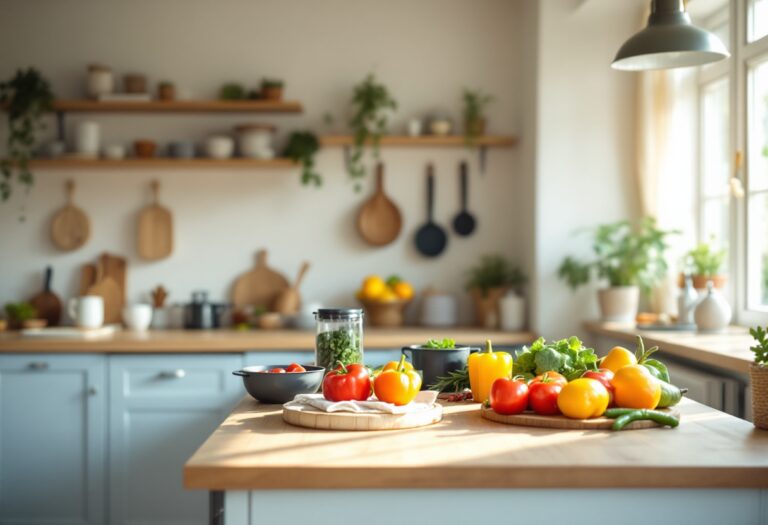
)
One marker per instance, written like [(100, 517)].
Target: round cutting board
[(354, 421), (529, 419)]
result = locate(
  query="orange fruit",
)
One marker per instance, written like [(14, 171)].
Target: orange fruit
[(635, 387), (403, 290), (373, 288), (583, 398), (617, 358)]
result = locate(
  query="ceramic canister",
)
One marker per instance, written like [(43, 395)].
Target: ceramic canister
[(713, 313)]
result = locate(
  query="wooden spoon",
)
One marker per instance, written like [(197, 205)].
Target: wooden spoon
[(70, 227), (155, 232), (379, 220), (288, 301)]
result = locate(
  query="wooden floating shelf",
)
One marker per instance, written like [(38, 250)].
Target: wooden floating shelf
[(179, 106), (490, 141), (84, 163)]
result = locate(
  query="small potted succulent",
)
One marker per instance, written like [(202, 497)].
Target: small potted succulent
[(488, 282), (703, 263), (437, 358), (758, 376), (475, 121), (628, 258), (271, 89), (23, 315)]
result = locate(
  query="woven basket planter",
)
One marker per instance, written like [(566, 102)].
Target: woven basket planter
[(759, 378)]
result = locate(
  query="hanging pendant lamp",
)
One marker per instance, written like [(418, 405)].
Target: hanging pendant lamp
[(670, 40)]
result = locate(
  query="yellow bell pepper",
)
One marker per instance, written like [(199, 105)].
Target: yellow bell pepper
[(485, 368)]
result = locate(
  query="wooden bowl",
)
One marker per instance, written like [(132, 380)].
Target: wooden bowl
[(34, 323), (388, 314), (270, 321), (144, 148)]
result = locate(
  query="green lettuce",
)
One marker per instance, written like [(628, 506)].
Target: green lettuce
[(567, 356)]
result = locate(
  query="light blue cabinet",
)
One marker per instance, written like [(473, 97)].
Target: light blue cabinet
[(162, 408), (52, 439)]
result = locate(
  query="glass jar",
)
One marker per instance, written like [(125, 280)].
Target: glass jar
[(339, 337)]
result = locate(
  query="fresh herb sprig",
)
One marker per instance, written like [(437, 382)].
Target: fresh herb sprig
[(456, 381), (437, 344)]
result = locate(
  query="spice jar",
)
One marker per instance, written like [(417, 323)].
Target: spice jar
[(339, 337), (100, 81)]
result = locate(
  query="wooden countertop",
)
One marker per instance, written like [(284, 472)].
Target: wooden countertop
[(254, 449), (205, 341), (728, 350)]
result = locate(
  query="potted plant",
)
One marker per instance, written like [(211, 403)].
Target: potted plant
[(272, 89), (437, 358), (26, 96), (372, 104), (475, 103), (758, 376), (629, 258), (488, 282), (23, 315), (302, 148), (703, 263)]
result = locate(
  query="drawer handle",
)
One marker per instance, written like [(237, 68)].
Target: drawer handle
[(38, 365), (173, 374)]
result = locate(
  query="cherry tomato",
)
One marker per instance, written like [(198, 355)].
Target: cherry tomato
[(347, 383), (551, 376), (542, 397), (605, 376), (508, 396), (277, 370), (295, 367)]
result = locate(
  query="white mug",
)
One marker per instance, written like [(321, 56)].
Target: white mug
[(137, 316), (87, 311)]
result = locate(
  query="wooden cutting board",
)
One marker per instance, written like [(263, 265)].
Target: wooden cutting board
[(70, 227), (289, 300), (47, 303), (352, 421), (154, 237), (259, 286), (529, 419), (106, 288), (87, 277), (379, 220), (116, 267)]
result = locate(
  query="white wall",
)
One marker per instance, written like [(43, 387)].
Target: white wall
[(425, 51)]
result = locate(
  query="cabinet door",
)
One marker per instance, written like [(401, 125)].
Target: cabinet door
[(52, 439), (162, 409)]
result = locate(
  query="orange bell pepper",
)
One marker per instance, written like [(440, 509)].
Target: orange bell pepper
[(485, 368), (398, 386)]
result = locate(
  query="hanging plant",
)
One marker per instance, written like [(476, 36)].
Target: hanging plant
[(26, 97), (372, 104), (302, 147)]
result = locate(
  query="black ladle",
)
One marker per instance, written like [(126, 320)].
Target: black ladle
[(430, 238), (464, 223)]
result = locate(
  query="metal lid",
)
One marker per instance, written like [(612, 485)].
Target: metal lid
[(339, 313)]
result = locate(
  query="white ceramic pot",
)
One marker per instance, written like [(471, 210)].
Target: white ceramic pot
[(114, 151), (713, 313), (137, 317), (512, 312), (439, 309), (255, 141), (415, 127), (619, 303), (87, 139), (101, 81), (87, 311), (219, 147), (440, 126), (161, 318)]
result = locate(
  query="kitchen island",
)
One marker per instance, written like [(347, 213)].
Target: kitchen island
[(712, 469)]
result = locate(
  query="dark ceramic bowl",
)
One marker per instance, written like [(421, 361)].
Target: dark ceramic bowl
[(280, 388), (437, 362)]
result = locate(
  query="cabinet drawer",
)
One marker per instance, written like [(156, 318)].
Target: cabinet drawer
[(175, 376)]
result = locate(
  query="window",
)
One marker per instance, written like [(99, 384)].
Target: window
[(757, 21), (757, 195)]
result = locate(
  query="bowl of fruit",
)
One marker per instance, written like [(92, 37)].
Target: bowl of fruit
[(385, 301), (278, 384)]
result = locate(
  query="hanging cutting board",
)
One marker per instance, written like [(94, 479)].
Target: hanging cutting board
[(117, 268), (154, 238), (87, 277), (529, 419), (70, 227), (379, 220), (353, 421), (108, 289), (289, 300), (47, 303), (260, 286)]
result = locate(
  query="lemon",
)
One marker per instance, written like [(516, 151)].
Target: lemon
[(403, 290), (373, 287), (617, 358), (388, 296)]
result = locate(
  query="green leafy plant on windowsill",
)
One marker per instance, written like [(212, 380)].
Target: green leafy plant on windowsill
[(475, 102), (761, 348), (26, 97), (302, 148), (19, 312), (624, 255), (704, 260), (494, 271)]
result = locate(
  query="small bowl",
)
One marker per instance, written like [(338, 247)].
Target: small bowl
[(34, 324), (280, 388), (270, 321)]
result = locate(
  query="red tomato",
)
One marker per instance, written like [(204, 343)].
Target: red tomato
[(604, 376), (552, 377), (542, 397), (347, 383), (295, 367), (277, 371), (508, 396)]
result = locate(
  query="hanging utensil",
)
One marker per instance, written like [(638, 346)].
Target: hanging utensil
[(155, 231), (431, 238), (379, 220), (70, 227), (464, 223)]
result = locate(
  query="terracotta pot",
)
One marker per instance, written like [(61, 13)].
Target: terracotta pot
[(144, 149), (758, 377), (475, 127), (619, 303), (389, 314), (272, 93), (700, 281), (487, 306), (166, 91), (135, 83)]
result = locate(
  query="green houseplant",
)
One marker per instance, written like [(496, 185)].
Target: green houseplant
[(302, 147), (630, 257), (475, 102), (488, 282), (758, 375), (271, 89), (18, 313), (704, 263), (372, 103), (26, 96)]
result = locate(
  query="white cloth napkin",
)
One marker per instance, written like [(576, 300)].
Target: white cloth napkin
[(424, 401)]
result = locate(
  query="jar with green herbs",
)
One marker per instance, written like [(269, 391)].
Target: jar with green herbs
[(339, 337)]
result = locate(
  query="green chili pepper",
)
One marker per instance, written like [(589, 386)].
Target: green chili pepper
[(661, 418), (613, 413)]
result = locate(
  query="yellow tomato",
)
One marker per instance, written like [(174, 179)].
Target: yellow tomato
[(403, 290), (373, 287), (583, 398), (635, 387), (618, 357)]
